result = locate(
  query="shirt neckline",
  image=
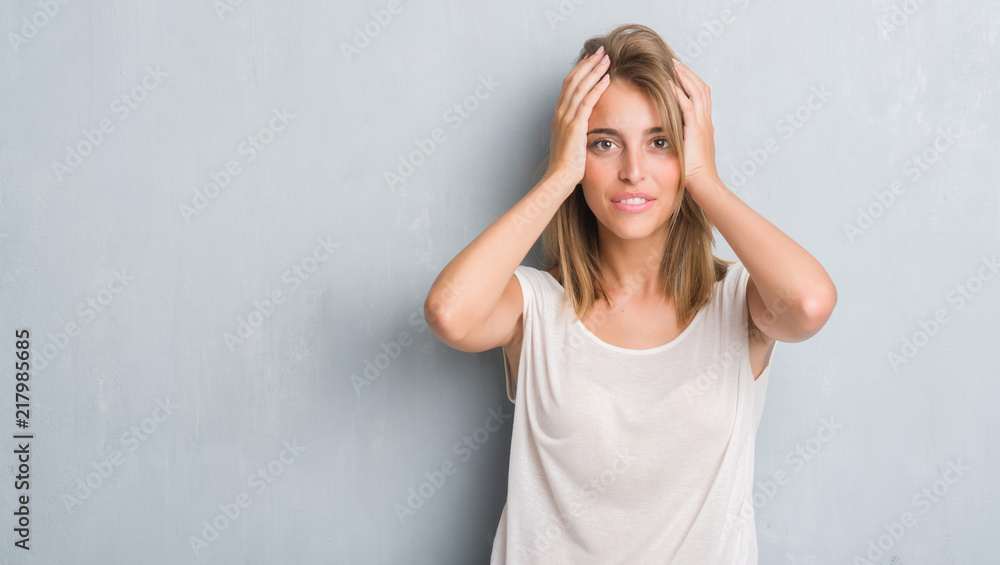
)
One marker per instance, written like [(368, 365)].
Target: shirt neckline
[(660, 348)]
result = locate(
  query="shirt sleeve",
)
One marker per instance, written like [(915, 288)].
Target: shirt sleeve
[(527, 297)]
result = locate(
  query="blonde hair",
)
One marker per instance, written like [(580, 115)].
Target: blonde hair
[(689, 269)]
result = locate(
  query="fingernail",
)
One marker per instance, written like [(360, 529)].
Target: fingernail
[(599, 50)]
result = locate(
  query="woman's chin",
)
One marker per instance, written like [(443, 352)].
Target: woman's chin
[(633, 229)]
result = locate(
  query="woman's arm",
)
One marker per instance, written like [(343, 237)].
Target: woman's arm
[(469, 288), (790, 295)]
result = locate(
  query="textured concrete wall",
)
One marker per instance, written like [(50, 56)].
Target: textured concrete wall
[(219, 221)]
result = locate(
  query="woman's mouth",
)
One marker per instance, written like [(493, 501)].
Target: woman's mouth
[(633, 205)]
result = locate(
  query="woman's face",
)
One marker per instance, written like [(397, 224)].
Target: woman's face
[(628, 152)]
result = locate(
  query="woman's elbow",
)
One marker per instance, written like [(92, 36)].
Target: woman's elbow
[(818, 308)]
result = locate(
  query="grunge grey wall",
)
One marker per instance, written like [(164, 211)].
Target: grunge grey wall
[(219, 221)]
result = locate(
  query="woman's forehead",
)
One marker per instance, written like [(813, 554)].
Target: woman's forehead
[(625, 108)]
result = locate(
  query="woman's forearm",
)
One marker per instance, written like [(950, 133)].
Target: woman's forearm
[(784, 273), (471, 284)]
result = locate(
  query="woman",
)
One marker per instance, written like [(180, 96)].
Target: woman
[(633, 433)]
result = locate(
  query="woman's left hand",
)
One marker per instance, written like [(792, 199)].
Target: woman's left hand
[(699, 135)]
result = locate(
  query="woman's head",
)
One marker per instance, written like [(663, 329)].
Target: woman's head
[(624, 156), (641, 70)]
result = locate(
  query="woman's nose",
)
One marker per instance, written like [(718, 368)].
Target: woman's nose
[(632, 166)]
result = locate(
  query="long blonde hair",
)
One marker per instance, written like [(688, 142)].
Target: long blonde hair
[(688, 268)]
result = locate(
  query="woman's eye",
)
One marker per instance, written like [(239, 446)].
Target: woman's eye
[(607, 144)]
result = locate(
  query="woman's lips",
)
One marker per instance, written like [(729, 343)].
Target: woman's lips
[(634, 208)]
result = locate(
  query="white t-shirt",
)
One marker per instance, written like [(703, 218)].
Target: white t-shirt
[(631, 456)]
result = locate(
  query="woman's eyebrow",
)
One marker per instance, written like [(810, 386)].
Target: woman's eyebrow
[(609, 131)]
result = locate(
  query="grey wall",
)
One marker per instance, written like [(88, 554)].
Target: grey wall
[(197, 349)]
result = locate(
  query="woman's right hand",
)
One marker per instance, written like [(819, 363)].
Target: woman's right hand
[(580, 90)]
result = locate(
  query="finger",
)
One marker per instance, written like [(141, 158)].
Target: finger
[(583, 86), (700, 95), (694, 94), (682, 100), (588, 102), (573, 79), (586, 87), (688, 76), (569, 81)]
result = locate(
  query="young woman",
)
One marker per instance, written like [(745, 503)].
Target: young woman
[(638, 362)]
